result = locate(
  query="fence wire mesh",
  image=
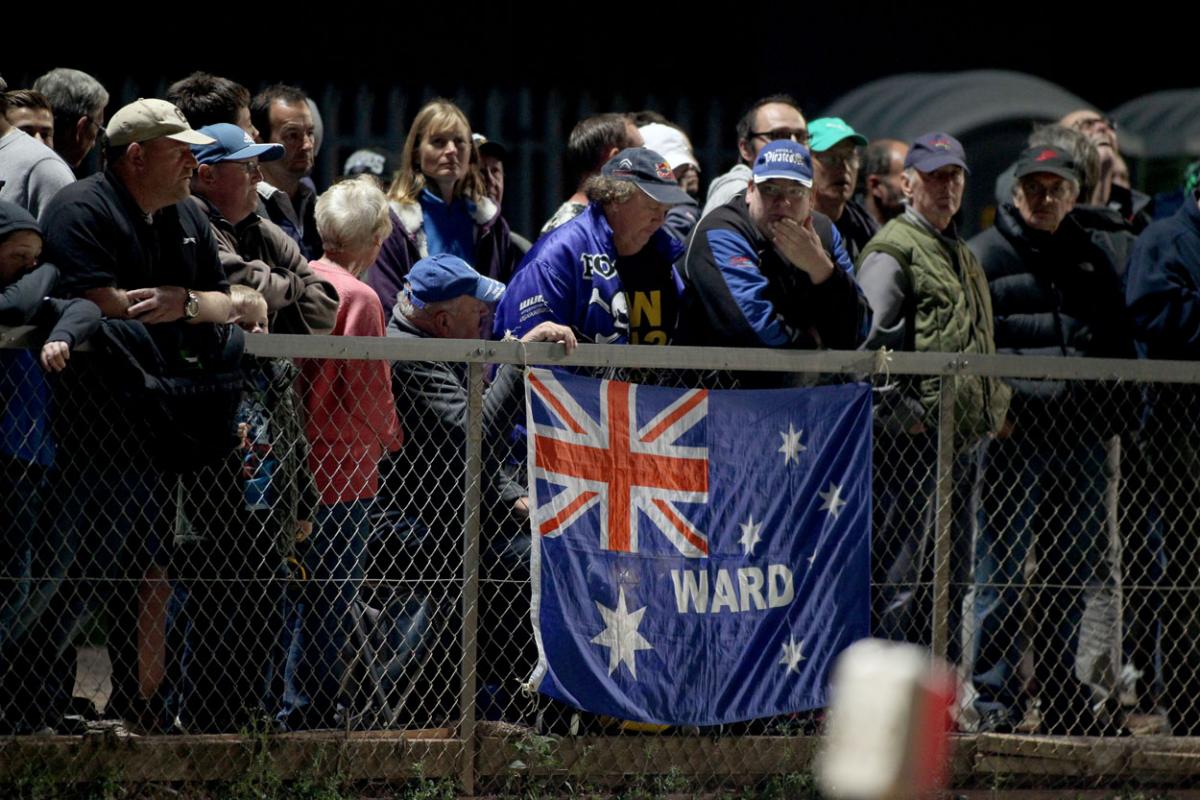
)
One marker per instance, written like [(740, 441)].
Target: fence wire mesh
[(321, 547)]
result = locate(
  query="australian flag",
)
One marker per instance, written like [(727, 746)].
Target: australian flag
[(700, 557)]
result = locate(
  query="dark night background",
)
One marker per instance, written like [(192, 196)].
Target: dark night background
[(525, 73)]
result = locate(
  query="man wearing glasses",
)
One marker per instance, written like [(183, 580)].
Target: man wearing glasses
[(770, 119), (254, 251), (1055, 292), (835, 177), (760, 271)]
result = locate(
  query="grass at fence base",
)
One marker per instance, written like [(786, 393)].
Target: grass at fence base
[(517, 764)]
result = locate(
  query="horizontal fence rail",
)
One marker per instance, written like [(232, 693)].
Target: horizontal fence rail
[(209, 637)]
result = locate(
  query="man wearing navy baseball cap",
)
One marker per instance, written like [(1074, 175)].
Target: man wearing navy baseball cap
[(254, 251), (928, 293), (608, 272), (761, 271)]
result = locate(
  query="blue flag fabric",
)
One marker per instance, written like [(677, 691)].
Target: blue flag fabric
[(700, 557)]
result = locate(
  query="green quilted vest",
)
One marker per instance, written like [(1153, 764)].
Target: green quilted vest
[(948, 310)]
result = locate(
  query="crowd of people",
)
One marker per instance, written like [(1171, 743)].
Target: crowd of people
[(226, 512)]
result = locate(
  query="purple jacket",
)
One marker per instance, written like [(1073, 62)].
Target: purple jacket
[(495, 255)]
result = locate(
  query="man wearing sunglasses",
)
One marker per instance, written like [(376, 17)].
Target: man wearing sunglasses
[(761, 270), (772, 118)]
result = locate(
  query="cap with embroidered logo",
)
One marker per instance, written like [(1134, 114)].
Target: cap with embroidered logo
[(650, 171), (1052, 160), (933, 151), (784, 160)]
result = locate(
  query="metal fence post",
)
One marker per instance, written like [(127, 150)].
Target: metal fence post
[(944, 520), (473, 478)]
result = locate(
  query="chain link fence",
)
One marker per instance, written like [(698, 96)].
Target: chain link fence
[(335, 585)]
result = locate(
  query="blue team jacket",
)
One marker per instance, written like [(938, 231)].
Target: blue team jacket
[(570, 277)]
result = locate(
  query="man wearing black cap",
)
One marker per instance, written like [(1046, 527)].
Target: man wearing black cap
[(1054, 293), (254, 251), (928, 293), (607, 273)]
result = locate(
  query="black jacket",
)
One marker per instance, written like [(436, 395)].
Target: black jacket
[(1056, 295), (26, 301), (739, 292), (424, 479)]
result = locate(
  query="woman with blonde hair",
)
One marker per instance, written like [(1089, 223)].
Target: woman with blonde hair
[(438, 204)]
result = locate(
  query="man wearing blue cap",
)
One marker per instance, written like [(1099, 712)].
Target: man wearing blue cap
[(760, 270), (606, 273), (254, 251), (444, 298), (928, 293)]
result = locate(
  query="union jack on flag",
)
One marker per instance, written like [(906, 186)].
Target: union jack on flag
[(698, 557), (628, 460)]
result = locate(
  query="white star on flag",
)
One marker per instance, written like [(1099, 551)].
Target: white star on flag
[(792, 655), (621, 636), (751, 534), (832, 498), (791, 447)]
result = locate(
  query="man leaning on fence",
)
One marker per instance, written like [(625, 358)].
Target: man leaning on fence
[(1163, 297), (928, 293), (254, 251), (445, 298), (128, 240), (1055, 292)]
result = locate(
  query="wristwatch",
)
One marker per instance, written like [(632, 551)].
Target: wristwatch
[(191, 306)]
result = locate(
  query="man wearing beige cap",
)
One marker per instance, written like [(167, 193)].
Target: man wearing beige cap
[(126, 240)]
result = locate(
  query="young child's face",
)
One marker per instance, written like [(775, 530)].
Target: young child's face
[(19, 253), (253, 319)]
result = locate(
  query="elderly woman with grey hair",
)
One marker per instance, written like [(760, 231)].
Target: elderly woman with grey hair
[(351, 424)]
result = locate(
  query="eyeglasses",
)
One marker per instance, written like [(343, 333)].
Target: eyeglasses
[(251, 167), (798, 135), (773, 191), (832, 160), (1036, 191)]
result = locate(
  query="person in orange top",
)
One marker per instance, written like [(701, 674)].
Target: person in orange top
[(351, 423)]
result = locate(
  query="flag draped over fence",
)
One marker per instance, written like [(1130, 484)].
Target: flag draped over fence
[(700, 557)]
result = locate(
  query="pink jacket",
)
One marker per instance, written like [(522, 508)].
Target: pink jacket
[(351, 412)]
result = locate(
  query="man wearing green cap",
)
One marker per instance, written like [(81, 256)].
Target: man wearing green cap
[(834, 146)]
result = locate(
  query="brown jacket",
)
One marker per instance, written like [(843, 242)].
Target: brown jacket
[(257, 253)]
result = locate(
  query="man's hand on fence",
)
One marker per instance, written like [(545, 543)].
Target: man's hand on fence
[(552, 332), (304, 529), (54, 356), (520, 508), (157, 303)]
